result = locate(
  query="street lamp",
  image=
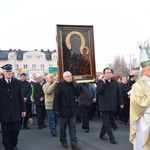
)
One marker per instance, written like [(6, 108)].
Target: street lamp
[(131, 62)]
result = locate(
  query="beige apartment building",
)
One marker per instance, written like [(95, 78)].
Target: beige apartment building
[(33, 61)]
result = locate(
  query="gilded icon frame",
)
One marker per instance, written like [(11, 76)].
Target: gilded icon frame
[(76, 53)]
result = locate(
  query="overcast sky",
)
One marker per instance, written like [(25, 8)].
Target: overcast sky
[(118, 25)]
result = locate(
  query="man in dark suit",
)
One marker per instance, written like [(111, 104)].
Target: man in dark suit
[(65, 104), (26, 90), (12, 108), (86, 98), (39, 102), (109, 95)]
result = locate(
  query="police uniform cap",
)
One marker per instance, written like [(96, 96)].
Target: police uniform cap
[(7, 67)]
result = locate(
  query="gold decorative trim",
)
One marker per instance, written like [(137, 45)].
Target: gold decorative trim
[(85, 81), (82, 47), (145, 64), (77, 77)]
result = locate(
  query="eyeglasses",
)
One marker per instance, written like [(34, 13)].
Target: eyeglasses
[(8, 70)]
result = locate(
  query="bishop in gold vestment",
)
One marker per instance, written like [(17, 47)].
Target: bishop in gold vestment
[(140, 114), (140, 105)]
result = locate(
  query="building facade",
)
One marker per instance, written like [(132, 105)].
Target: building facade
[(29, 62)]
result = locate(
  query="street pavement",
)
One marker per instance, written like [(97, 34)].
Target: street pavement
[(41, 139)]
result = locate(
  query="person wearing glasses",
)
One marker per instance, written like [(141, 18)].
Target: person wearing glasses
[(12, 108), (65, 106)]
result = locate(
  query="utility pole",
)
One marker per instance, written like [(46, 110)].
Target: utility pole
[(130, 63)]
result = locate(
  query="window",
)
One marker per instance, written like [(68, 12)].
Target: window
[(29, 56), (54, 56), (39, 57), (12, 57), (34, 66), (25, 66), (42, 66)]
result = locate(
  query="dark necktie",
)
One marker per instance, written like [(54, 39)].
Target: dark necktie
[(9, 83), (107, 81)]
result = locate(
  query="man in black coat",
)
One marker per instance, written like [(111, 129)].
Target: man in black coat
[(39, 102), (124, 113), (109, 95), (26, 89), (12, 108), (85, 100), (131, 80), (65, 104)]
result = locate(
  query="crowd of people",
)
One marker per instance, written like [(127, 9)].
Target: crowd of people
[(109, 97)]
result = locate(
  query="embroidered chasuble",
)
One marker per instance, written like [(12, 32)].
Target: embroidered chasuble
[(140, 115)]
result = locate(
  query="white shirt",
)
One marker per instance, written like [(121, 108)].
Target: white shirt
[(7, 80)]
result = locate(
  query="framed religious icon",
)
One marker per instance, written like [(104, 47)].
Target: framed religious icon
[(76, 52)]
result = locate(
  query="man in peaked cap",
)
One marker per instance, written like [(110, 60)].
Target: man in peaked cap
[(140, 106), (12, 107), (7, 67)]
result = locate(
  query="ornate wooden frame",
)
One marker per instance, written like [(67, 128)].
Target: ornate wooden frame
[(76, 52)]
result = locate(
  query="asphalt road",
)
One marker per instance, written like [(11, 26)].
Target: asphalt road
[(41, 139)]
